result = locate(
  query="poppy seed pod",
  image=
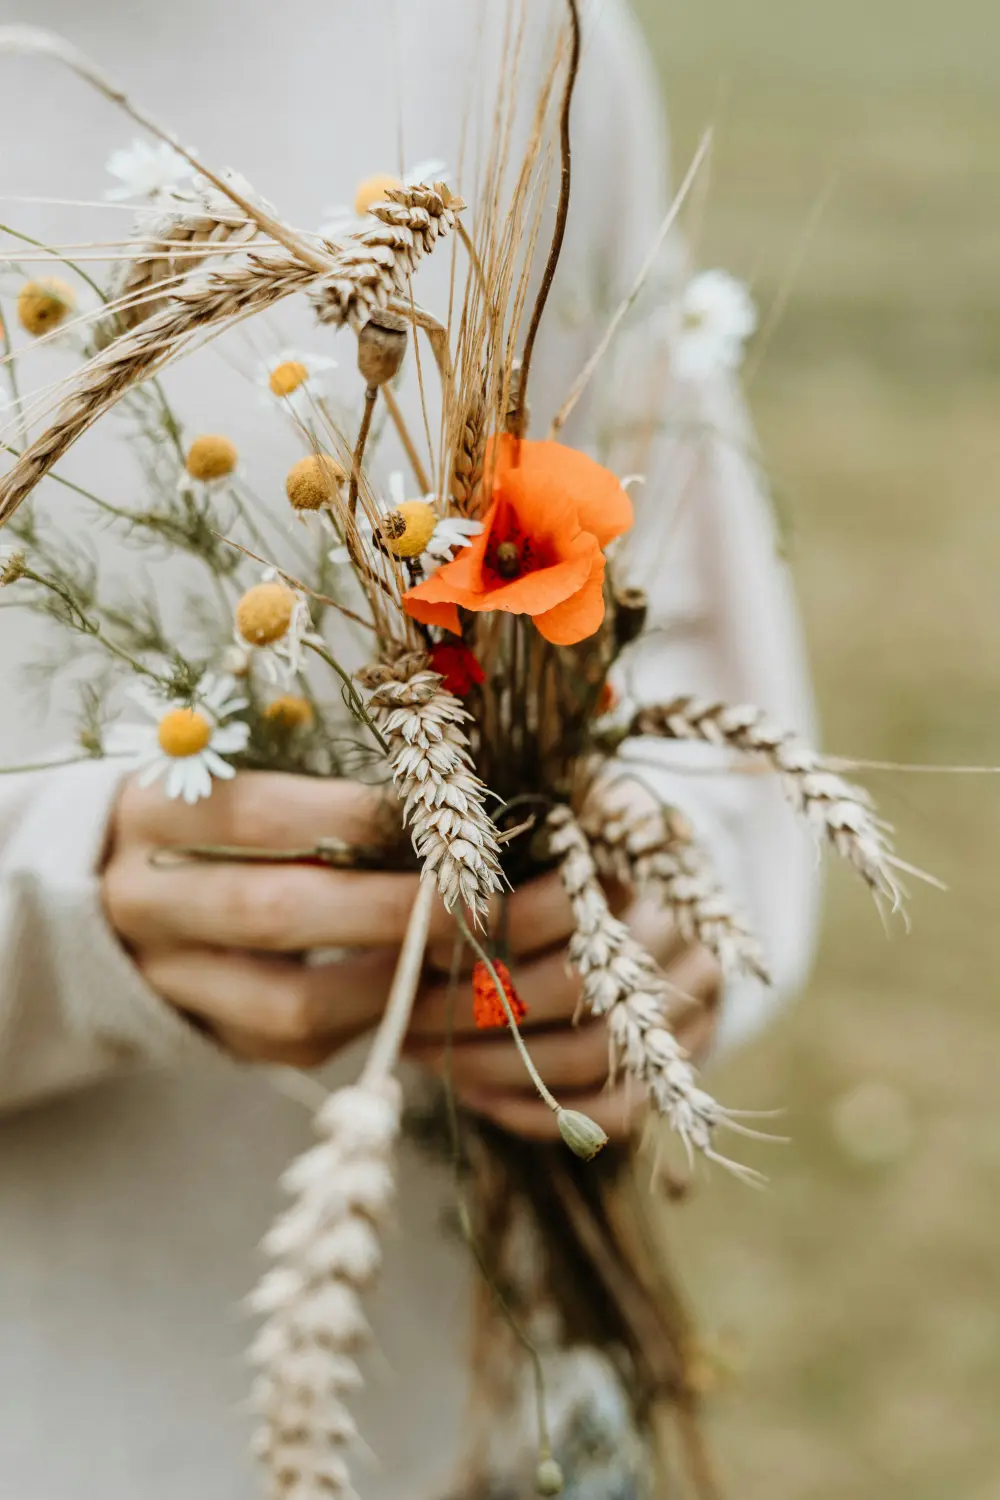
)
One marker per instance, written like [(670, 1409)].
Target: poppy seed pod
[(549, 1478), (631, 609), (583, 1136), (382, 346)]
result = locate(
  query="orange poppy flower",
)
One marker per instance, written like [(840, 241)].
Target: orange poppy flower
[(540, 549)]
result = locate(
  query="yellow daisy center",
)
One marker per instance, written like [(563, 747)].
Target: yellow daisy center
[(183, 731), (314, 481), (287, 377), (211, 457), (406, 530), (373, 190), (264, 613), (42, 305), (289, 712)]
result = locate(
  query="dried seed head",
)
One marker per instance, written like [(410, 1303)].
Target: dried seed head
[(373, 190), (42, 305), (585, 1139), (290, 712), (631, 609), (12, 565), (183, 732), (286, 378), (382, 346), (211, 457), (407, 529), (264, 613), (549, 1478), (314, 482)]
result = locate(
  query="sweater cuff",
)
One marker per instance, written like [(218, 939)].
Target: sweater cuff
[(58, 850)]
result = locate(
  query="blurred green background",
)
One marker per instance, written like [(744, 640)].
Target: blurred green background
[(856, 1305)]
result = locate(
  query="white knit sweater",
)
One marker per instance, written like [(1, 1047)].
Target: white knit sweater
[(137, 1168)]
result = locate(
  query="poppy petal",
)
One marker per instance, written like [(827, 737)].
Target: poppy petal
[(425, 612), (580, 616), (602, 505)]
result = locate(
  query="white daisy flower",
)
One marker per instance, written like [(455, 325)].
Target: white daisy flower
[(274, 620), (144, 170), (295, 380), (717, 316), (185, 742), (450, 532), (345, 220)]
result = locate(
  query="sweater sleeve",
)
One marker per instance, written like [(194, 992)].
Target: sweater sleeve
[(722, 622), (73, 1008)]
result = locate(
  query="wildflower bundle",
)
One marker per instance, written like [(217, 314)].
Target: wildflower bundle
[(498, 620)]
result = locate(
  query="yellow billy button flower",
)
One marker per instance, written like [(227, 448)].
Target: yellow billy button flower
[(42, 305), (183, 732), (290, 712), (314, 481), (265, 612), (285, 379), (211, 457), (406, 530), (373, 190)]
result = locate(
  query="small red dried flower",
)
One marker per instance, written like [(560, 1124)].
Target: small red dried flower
[(486, 1007), (459, 668), (607, 700)]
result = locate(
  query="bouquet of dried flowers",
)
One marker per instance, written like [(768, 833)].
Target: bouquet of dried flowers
[(487, 594)]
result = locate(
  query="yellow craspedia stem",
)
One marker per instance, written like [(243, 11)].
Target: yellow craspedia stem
[(290, 712), (42, 305), (211, 457), (264, 613), (182, 732), (407, 529), (373, 190), (314, 481), (286, 378)]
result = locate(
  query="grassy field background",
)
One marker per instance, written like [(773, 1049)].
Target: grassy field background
[(857, 1305)]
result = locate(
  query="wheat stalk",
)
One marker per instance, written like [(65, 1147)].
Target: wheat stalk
[(373, 267), (470, 454), (837, 810), (327, 1253), (377, 265), (650, 852), (166, 241), (619, 980), (432, 767)]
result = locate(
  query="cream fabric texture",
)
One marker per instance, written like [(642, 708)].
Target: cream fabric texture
[(138, 1167)]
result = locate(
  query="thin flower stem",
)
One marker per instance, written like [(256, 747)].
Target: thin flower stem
[(54, 765), (562, 215), (399, 422), (465, 1218), (384, 1055), (371, 396), (79, 620), (11, 363), (485, 959), (357, 706)]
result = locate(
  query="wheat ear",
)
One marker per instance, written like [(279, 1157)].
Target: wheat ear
[(470, 454), (620, 981), (651, 852), (372, 267), (327, 1252), (838, 811), (443, 798), (181, 220)]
